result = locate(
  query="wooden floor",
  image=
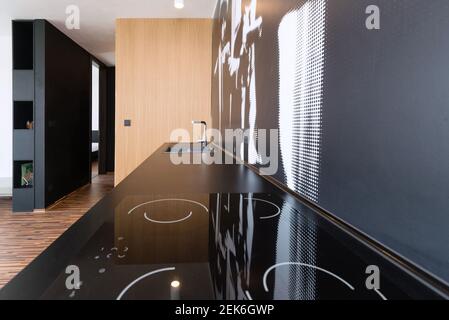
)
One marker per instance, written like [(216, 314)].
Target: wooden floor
[(24, 236)]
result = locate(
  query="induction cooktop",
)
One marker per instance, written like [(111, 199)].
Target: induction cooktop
[(228, 247)]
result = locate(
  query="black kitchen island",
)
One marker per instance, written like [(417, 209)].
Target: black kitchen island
[(201, 232)]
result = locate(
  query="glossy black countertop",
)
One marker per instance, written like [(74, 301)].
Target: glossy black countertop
[(209, 232)]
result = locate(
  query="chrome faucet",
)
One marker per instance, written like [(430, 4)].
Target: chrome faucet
[(203, 140)]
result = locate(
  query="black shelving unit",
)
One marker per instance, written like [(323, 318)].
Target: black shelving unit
[(51, 116), (23, 115)]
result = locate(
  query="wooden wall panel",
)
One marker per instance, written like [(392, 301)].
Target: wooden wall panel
[(163, 82)]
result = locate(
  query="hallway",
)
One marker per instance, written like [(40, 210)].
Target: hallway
[(24, 236)]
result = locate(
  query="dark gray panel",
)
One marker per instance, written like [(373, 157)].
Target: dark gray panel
[(386, 125), (96, 136), (23, 200), (39, 113), (23, 85), (23, 144)]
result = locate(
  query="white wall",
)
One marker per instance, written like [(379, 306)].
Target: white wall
[(95, 97), (5, 108)]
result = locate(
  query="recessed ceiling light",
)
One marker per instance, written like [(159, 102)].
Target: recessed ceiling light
[(175, 284), (179, 4)]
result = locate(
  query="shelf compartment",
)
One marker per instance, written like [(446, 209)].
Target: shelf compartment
[(23, 115), (23, 45), (23, 174)]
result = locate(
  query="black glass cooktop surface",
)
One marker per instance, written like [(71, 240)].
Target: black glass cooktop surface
[(227, 246)]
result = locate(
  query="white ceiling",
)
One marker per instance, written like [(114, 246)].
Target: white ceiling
[(97, 17)]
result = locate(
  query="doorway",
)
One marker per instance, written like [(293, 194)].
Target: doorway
[(103, 119), (95, 140)]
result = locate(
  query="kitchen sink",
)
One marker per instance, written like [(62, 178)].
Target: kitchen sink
[(181, 148)]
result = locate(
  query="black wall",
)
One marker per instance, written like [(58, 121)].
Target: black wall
[(67, 115), (110, 120), (369, 117)]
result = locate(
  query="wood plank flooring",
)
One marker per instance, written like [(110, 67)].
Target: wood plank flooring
[(24, 236)]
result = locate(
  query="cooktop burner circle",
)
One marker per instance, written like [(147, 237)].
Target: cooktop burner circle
[(189, 213), (168, 221), (275, 206), (166, 200), (306, 265), (146, 275)]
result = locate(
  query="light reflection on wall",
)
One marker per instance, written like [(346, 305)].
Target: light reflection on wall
[(235, 248), (296, 242), (301, 36), (235, 71), (301, 66)]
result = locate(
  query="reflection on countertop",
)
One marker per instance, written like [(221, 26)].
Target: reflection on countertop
[(228, 247)]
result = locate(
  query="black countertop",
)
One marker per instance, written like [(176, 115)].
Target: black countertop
[(209, 232)]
